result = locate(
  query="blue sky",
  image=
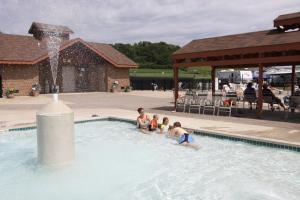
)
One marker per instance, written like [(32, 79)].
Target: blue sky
[(128, 21)]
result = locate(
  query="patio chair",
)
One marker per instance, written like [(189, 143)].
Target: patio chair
[(211, 105), (180, 103), (250, 98), (196, 103), (294, 104), (225, 108), (232, 95), (183, 102), (269, 100)]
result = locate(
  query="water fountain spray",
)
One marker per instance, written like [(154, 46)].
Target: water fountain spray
[(53, 44)]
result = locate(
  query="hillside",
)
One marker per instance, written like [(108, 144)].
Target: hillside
[(154, 60)]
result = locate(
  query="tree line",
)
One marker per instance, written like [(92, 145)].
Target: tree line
[(148, 54)]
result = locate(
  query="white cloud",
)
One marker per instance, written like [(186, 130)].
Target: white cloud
[(174, 21)]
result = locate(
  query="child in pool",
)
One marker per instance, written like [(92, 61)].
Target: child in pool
[(184, 138), (153, 123), (164, 127)]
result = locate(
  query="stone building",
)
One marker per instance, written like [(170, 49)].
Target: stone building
[(83, 66)]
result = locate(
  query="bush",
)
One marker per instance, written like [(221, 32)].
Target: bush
[(10, 91)]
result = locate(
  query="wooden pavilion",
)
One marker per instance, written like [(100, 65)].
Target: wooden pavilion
[(277, 47)]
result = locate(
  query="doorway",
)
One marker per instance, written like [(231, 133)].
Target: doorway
[(68, 74)]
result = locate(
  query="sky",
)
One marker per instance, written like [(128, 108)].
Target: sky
[(129, 21)]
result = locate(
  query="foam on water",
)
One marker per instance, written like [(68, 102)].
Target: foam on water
[(114, 161)]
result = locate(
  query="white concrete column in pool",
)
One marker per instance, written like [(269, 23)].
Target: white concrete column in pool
[(55, 134)]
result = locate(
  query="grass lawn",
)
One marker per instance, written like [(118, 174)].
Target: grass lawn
[(195, 72)]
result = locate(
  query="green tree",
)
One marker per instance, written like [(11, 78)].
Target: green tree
[(149, 55)]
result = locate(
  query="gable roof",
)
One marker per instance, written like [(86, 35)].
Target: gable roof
[(110, 53), (18, 49), (244, 40)]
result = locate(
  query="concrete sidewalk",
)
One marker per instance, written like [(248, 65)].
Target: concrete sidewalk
[(20, 112)]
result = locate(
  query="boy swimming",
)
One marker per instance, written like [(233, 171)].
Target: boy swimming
[(184, 138)]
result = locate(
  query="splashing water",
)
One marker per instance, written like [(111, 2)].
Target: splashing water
[(53, 45)]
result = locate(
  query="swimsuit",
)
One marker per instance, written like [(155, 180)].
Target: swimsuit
[(144, 121), (185, 138), (153, 125), (164, 128)]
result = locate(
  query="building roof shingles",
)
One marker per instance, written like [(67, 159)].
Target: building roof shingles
[(26, 49), (112, 54)]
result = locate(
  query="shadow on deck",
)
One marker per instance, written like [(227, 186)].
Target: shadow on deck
[(242, 114)]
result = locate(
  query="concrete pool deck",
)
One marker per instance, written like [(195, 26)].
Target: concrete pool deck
[(20, 112)]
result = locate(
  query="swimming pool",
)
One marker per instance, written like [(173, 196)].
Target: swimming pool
[(114, 161)]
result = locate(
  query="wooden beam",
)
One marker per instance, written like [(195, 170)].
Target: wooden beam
[(213, 82), (175, 77), (293, 79), (260, 95), (267, 61)]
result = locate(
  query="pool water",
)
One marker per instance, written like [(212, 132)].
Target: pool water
[(115, 161)]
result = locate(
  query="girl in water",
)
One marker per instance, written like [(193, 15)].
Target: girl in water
[(164, 127)]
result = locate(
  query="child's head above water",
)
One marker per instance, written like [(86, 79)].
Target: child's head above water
[(155, 117), (140, 110), (165, 121), (177, 124)]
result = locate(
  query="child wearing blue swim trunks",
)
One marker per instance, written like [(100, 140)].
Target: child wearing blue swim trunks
[(184, 138)]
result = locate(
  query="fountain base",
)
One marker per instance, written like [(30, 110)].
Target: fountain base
[(55, 134)]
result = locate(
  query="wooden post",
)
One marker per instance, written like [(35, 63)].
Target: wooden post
[(293, 80), (213, 83), (260, 95), (175, 77)]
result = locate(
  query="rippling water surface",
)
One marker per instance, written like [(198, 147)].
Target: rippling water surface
[(114, 161)]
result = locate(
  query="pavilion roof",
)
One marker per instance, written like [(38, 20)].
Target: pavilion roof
[(244, 40)]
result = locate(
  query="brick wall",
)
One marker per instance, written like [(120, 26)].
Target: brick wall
[(117, 74), (20, 77)]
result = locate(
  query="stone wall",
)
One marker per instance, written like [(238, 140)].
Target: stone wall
[(19, 77)]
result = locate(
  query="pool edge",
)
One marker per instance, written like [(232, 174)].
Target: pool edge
[(266, 142)]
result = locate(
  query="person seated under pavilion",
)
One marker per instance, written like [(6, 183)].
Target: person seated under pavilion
[(250, 94), (268, 92)]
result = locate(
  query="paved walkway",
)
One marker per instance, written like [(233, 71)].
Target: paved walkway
[(21, 111)]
